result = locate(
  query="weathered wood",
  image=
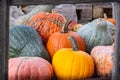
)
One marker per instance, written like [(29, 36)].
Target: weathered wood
[(4, 39), (116, 55), (21, 2), (114, 10)]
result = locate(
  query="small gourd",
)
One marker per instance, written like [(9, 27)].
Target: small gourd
[(113, 21)]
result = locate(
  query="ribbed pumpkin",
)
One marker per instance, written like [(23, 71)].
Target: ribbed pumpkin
[(97, 32), (60, 40), (25, 41), (29, 68), (47, 23), (72, 63), (25, 18), (102, 56)]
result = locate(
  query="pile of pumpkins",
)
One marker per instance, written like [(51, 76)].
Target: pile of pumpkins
[(49, 47)]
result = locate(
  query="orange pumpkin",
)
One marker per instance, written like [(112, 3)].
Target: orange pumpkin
[(72, 63), (47, 23), (60, 40), (102, 56), (29, 68), (113, 21)]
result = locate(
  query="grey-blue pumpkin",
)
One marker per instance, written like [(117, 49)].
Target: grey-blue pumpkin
[(97, 32), (25, 41)]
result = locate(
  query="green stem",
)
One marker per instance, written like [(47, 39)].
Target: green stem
[(65, 27), (74, 43)]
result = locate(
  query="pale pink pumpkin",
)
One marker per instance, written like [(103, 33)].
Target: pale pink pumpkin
[(29, 68), (102, 56)]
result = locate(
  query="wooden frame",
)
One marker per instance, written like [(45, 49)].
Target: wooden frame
[(4, 31)]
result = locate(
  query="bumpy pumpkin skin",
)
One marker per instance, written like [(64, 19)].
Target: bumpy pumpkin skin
[(72, 65), (25, 41), (98, 32), (60, 40), (46, 24), (29, 68), (102, 56)]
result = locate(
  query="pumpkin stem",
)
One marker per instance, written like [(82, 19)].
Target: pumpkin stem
[(74, 43), (54, 11), (105, 16), (65, 27)]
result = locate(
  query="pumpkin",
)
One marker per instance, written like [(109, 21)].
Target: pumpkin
[(47, 23), (29, 68), (60, 40), (25, 18), (113, 21), (25, 41), (72, 63), (97, 32), (102, 56)]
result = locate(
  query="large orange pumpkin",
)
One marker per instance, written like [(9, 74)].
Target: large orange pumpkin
[(72, 63), (102, 56), (29, 68), (60, 40), (47, 23)]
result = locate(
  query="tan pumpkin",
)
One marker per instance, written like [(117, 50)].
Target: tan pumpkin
[(72, 63), (102, 56), (29, 68)]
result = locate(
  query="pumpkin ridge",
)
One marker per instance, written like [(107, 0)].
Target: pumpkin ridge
[(43, 22), (72, 66), (87, 69), (89, 41), (21, 62), (84, 70), (36, 64), (50, 72)]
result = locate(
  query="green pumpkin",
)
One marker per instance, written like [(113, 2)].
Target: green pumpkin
[(25, 18), (25, 41), (97, 32)]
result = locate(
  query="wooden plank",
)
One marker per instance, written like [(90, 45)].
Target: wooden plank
[(114, 10), (116, 55), (4, 39), (21, 2)]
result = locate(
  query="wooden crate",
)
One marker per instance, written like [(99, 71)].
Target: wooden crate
[(4, 31)]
